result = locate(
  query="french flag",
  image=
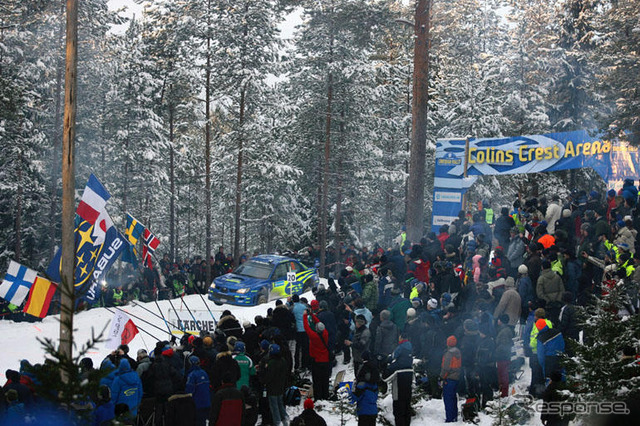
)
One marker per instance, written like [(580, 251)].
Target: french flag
[(94, 199)]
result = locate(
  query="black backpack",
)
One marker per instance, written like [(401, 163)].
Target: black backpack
[(292, 396)]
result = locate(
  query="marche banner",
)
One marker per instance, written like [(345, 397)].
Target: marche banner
[(613, 160), (98, 243), (182, 322)]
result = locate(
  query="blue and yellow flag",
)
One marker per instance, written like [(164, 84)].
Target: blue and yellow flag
[(132, 233)]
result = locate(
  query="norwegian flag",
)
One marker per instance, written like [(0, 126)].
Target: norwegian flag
[(151, 243)]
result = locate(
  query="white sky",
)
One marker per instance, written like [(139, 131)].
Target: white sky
[(287, 28)]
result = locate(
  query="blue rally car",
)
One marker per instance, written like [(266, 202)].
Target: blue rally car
[(261, 279)]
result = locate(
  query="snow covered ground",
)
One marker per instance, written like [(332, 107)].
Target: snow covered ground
[(20, 342)]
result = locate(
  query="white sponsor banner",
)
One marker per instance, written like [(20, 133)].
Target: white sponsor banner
[(448, 197), (114, 338), (183, 322), (443, 220)]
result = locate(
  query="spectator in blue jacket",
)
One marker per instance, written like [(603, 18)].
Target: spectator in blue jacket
[(301, 357), (365, 392), (105, 410), (550, 347), (107, 365), (401, 380), (198, 387), (127, 387)]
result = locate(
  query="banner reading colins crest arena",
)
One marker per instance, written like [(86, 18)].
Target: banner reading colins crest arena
[(613, 160)]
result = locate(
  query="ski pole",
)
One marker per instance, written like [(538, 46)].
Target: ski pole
[(138, 318), (161, 316), (206, 305), (191, 313), (177, 316)]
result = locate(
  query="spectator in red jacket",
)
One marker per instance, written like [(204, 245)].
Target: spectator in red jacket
[(319, 352), (227, 405)]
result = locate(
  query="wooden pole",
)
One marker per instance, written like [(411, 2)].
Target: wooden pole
[(415, 183), (68, 187)]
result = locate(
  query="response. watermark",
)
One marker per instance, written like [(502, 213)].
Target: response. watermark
[(580, 408)]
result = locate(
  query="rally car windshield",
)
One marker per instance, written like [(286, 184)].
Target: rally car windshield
[(254, 270)]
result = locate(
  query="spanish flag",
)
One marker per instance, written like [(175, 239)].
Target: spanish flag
[(40, 297)]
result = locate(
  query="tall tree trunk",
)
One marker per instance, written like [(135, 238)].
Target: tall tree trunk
[(207, 148), (57, 140), (338, 220), (238, 206), (325, 169), (189, 221), (67, 289), (325, 178), (415, 197), (172, 187), (18, 222)]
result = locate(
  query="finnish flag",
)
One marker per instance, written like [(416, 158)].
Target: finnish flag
[(17, 283)]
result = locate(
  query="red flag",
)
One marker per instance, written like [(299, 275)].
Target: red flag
[(151, 243), (129, 332)]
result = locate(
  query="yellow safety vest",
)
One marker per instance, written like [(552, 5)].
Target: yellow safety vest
[(489, 216), (533, 340)]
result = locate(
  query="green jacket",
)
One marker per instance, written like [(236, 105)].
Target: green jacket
[(247, 369), (370, 295), (398, 308)]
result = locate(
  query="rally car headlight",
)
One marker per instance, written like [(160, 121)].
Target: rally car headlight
[(242, 291), (212, 287)]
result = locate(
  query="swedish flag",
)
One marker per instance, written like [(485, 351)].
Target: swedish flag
[(133, 233)]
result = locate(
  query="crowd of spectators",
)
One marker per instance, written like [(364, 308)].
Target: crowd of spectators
[(450, 310)]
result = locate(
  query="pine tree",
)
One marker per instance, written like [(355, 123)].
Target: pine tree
[(594, 372)]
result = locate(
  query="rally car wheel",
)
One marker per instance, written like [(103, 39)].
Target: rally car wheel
[(262, 298)]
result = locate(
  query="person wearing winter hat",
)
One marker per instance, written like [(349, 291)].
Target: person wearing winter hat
[(275, 380), (103, 414), (504, 343), (450, 376), (469, 344), (432, 304), (550, 347), (537, 374), (198, 386), (247, 368), (515, 250), (227, 405), (144, 362), (319, 352), (315, 305), (510, 303), (308, 417), (127, 387), (359, 342), (550, 288), (264, 345), (224, 362)]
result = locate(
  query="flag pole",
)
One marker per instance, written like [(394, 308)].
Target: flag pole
[(191, 313), (161, 316), (68, 189), (176, 312), (206, 305)]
